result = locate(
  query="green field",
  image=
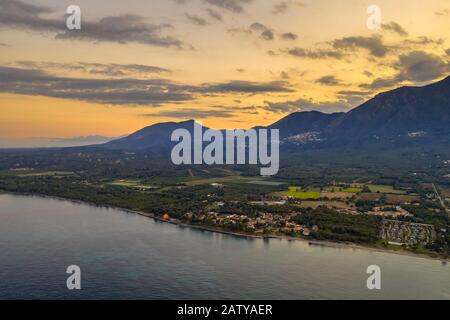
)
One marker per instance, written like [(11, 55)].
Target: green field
[(384, 189), (341, 189), (295, 192), (46, 174), (135, 184)]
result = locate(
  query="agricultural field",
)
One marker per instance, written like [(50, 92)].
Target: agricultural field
[(330, 204), (297, 193), (337, 195), (227, 179), (390, 198), (46, 174), (343, 189), (134, 184), (384, 189), (445, 192)]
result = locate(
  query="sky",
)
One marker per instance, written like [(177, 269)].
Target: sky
[(227, 63)]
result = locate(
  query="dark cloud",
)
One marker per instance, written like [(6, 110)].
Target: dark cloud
[(353, 97), (121, 29), (281, 7), (192, 114), (329, 81), (211, 112), (18, 14), (214, 14), (306, 105), (315, 53), (3, 44), (126, 91), (110, 70), (447, 51), (423, 40), (373, 44), (443, 12), (289, 36), (396, 28), (380, 83), (415, 67), (248, 87), (121, 91), (265, 32), (284, 6), (196, 20), (236, 6), (267, 35), (419, 66)]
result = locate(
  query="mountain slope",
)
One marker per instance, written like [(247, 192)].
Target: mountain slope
[(403, 111), (155, 137), (400, 116), (302, 122)]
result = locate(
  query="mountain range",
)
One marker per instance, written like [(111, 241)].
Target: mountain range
[(398, 117)]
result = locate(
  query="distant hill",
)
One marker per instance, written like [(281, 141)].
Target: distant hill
[(400, 116), (155, 137)]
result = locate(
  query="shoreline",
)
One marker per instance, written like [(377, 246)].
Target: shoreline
[(325, 243)]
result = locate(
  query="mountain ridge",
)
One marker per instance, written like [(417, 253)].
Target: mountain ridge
[(401, 114)]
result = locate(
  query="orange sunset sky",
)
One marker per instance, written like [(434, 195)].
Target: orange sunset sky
[(227, 63)]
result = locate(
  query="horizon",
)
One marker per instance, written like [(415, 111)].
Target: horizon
[(239, 66)]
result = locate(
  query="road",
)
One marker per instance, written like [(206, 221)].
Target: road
[(440, 199)]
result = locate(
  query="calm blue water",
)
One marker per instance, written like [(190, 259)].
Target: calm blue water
[(123, 255)]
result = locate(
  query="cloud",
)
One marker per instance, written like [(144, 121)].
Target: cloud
[(236, 6), (214, 14), (248, 87), (125, 91), (267, 35), (373, 44), (284, 6), (396, 28), (3, 44), (18, 14), (354, 97), (447, 51), (419, 66), (423, 40), (380, 83), (192, 114), (123, 29), (289, 36), (306, 105), (329, 81), (264, 32), (110, 70), (196, 20), (120, 29), (415, 67), (121, 91), (442, 13), (315, 53), (211, 112)]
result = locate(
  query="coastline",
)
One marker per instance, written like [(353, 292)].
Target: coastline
[(325, 243)]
